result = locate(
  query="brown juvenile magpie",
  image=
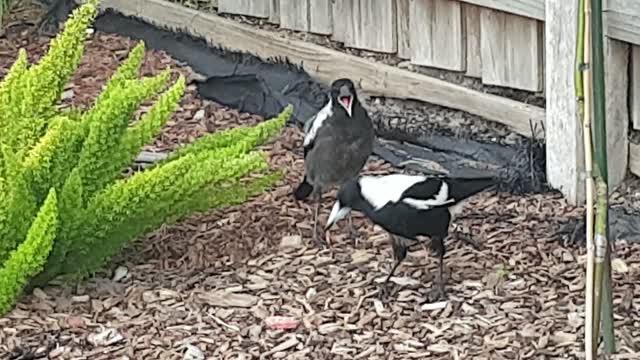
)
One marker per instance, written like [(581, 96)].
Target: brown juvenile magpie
[(410, 207), (338, 142)]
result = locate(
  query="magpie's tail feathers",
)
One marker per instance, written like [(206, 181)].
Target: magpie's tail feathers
[(464, 188), (303, 190)]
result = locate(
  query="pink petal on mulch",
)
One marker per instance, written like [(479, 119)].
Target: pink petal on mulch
[(281, 322)]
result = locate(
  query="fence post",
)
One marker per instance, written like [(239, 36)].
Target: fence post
[(565, 153)]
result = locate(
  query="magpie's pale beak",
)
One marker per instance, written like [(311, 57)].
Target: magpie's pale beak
[(346, 99), (337, 213)]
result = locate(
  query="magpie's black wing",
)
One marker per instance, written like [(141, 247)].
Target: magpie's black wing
[(444, 191), (431, 193)]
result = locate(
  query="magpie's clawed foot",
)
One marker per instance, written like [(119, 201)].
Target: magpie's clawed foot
[(437, 293), (469, 241), (319, 240), (387, 292), (354, 235)]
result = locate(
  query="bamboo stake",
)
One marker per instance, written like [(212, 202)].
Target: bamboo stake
[(585, 12), (602, 270), (601, 248)]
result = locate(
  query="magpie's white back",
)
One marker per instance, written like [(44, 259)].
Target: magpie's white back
[(380, 190)]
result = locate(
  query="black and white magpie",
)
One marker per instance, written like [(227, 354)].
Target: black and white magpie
[(409, 207), (338, 142)]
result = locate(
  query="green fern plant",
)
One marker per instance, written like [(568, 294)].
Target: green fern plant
[(65, 208)]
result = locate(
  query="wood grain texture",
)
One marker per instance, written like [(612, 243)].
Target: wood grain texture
[(321, 16), (622, 20), (634, 87), (634, 159), (274, 11), (255, 8), (342, 11), (294, 15), (565, 152), (622, 26), (616, 58), (403, 14), (629, 7), (326, 64), (472, 31), (511, 50), (528, 8), (374, 26), (436, 34)]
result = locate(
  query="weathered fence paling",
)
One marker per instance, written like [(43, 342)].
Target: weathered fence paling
[(565, 154)]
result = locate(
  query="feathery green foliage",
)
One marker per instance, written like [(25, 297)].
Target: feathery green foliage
[(29, 258), (17, 207), (8, 96), (49, 163), (249, 136), (65, 207), (38, 90)]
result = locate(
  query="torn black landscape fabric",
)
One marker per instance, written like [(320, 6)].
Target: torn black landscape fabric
[(238, 80)]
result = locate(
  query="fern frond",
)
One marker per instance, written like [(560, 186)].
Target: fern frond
[(99, 164), (30, 256), (149, 190), (49, 163), (249, 137), (17, 208)]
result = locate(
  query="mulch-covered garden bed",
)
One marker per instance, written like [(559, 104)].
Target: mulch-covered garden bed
[(210, 286)]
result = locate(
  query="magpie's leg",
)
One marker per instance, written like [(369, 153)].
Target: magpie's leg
[(438, 291), (318, 239), (353, 232), (399, 246)]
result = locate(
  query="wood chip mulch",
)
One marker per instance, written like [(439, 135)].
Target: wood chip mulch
[(245, 282)]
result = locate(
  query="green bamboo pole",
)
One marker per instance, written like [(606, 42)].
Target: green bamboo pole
[(580, 59), (584, 97), (603, 291)]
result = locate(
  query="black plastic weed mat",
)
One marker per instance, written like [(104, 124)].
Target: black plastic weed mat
[(265, 86)]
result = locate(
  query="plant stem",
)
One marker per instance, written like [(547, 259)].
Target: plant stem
[(603, 258), (585, 33)]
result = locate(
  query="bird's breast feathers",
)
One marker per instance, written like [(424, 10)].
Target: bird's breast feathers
[(380, 191)]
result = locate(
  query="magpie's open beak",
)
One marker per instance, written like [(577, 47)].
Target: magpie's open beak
[(337, 213), (346, 99)]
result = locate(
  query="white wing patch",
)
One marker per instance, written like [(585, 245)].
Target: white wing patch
[(441, 198), (379, 191), (320, 117)]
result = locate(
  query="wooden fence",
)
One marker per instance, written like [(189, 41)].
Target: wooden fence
[(501, 42), (506, 43), (484, 39)]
